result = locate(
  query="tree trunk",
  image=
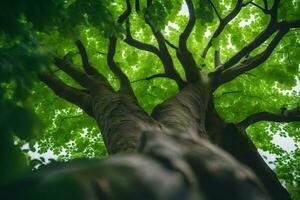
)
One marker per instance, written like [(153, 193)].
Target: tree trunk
[(183, 140), (177, 143)]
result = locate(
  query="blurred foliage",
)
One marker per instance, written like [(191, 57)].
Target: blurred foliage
[(34, 119)]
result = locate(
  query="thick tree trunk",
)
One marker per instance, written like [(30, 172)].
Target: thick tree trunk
[(123, 122), (184, 135), (181, 136), (235, 141)]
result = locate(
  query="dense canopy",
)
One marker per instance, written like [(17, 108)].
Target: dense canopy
[(222, 37)]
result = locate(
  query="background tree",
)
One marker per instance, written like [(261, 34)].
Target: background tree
[(141, 66)]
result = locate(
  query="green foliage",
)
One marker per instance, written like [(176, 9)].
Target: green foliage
[(32, 32)]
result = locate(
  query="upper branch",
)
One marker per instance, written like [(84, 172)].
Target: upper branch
[(137, 44), (266, 4), (124, 81), (164, 54), (137, 6), (222, 24), (215, 9), (160, 75), (85, 61), (265, 10), (285, 116), (252, 62), (129, 39), (126, 13), (269, 30), (190, 25), (184, 55), (82, 78), (73, 95), (225, 75)]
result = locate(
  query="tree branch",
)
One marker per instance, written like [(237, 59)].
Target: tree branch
[(171, 45), (184, 55), (137, 6), (190, 25), (161, 75), (285, 116), (222, 24), (126, 13), (164, 54), (137, 44), (216, 11), (85, 61), (222, 75), (73, 72), (269, 30), (252, 62), (266, 4), (266, 11), (124, 81), (73, 95)]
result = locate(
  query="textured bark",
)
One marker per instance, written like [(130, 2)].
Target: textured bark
[(191, 119), (184, 113), (235, 141), (120, 120), (184, 140)]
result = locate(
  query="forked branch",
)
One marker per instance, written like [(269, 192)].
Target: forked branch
[(261, 38), (251, 62), (223, 22), (88, 68), (162, 52), (225, 75)]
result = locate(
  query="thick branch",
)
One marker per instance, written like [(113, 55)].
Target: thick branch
[(124, 81), (285, 116), (189, 27), (223, 23), (184, 55), (126, 13), (73, 95), (235, 141)]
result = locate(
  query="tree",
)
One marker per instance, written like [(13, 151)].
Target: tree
[(182, 129)]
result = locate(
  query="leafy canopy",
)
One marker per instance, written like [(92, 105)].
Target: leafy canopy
[(32, 32)]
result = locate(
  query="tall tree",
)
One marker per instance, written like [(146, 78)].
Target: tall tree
[(187, 132)]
